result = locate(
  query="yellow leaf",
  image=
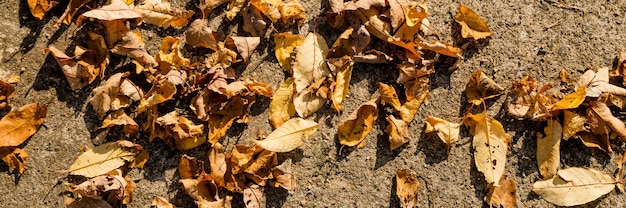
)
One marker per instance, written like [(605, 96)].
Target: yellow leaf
[(14, 158), (104, 158), (416, 93), (388, 95), (221, 120), (307, 103), (159, 93), (282, 107), (102, 97), (160, 13), (472, 25), (572, 124), (285, 43), (570, 101), (407, 186), (503, 196), (310, 64), (160, 202), (170, 55), (480, 87), (548, 149), (6, 93), (342, 83), (288, 136), (200, 34), (119, 118), (354, 130), (18, 125), (398, 132), (447, 131), (574, 186), (269, 8), (234, 7), (292, 11), (490, 144), (39, 7)]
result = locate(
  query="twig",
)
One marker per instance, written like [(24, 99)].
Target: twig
[(564, 6), (553, 24)]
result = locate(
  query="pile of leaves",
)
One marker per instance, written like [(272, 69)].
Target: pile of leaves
[(316, 75)]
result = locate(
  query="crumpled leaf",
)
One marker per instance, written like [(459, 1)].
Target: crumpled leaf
[(161, 91), (114, 11), (160, 202), (522, 97), (217, 162), (170, 55), (79, 70), (18, 125), (343, 74), (160, 13), (115, 93), (233, 8), (350, 42), (398, 131), (6, 93), (447, 131), (407, 186), (600, 84), (416, 92), (208, 5), (309, 64), (490, 145), (14, 158), (38, 8), (221, 119), (200, 34), (105, 158), (480, 87), (70, 11), (181, 132), (132, 45), (548, 149), (253, 196), (442, 48), (388, 95), (292, 11), (285, 43), (572, 124), (95, 188), (360, 122), (503, 196), (244, 45), (254, 22), (119, 118), (574, 186), (281, 106), (188, 167), (269, 8), (288, 136), (472, 25), (602, 111), (600, 141)]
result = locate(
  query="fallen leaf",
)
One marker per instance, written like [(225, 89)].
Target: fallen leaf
[(407, 186), (288, 136), (14, 158), (132, 45), (160, 92), (285, 43), (85, 202), (307, 103), (281, 106), (160, 202), (349, 43), (480, 87), (292, 11), (70, 11), (221, 119), (160, 13), (565, 76), (522, 97), (234, 7), (574, 186), (116, 10), (188, 167), (602, 111), (416, 93), (269, 8), (96, 43), (472, 25), (170, 55), (600, 84), (18, 125), (78, 70), (490, 145), (572, 124), (259, 170), (504, 196), (442, 48), (360, 122), (447, 131), (343, 74), (600, 141), (398, 132), (181, 132), (6, 93), (105, 158), (96, 187), (13, 79), (309, 64), (103, 97), (253, 196), (548, 149), (217, 162), (39, 8), (200, 34), (208, 5), (119, 118), (244, 45), (254, 22), (388, 95)]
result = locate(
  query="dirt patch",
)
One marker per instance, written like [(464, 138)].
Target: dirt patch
[(537, 38)]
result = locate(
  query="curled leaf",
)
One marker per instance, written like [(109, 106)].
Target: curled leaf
[(480, 87), (354, 130), (398, 132), (6, 93), (447, 131), (407, 186), (14, 158), (160, 13), (200, 34), (288, 136), (472, 25), (39, 8)]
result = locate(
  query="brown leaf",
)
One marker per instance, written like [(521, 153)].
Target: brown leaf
[(253, 196), (114, 11), (160, 202), (602, 111), (442, 48), (70, 11), (18, 125), (160, 13), (245, 45), (6, 93), (480, 87), (200, 34), (269, 8), (407, 186), (548, 149), (503, 196), (416, 93), (14, 158), (132, 45), (260, 168), (221, 119), (600, 84), (472, 25), (388, 95), (119, 118), (490, 145), (292, 11), (253, 22), (170, 55), (600, 141), (85, 202), (188, 167), (234, 7), (354, 130), (38, 8), (95, 188), (522, 97), (208, 5), (349, 43), (160, 92), (217, 161), (78, 70), (109, 95), (398, 132), (181, 132)]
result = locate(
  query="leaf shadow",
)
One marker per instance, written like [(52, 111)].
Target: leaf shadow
[(384, 153), (435, 151), (275, 197), (26, 19), (394, 201)]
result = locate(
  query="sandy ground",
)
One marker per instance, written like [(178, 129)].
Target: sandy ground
[(535, 38)]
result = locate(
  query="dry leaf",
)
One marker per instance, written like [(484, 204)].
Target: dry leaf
[(38, 8), (310, 64), (244, 45), (307, 103), (208, 5), (269, 8), (95, 188), (548, 149), (79, 70), (574, 186), (600, 84), (281, 106), (288, 136), (119, 118), (342, 81), (200, 34), (416, 93), (18, 125), (350, 42), (398, 132), (217, 162), (132, 45), (600, 141), (160, 13), (490, 145), (14, 158), (170, 55), (221, 119), (161, 91), (259, 170), (356, 127), (572, 124), (480, 87), (565, 76), (103, 98), (188, 167), (105, 158), (407, 186), (602, 111), (292, 11), (6, 93), (85, 202), (160, 202), (115, 11), (472, 25), (254, 22), (522, 97), (388, 95), (70, 11), (442, 48), (253, 196), (181, 132), (503, 196), (234, 7), (447, 131), (285, 43)]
